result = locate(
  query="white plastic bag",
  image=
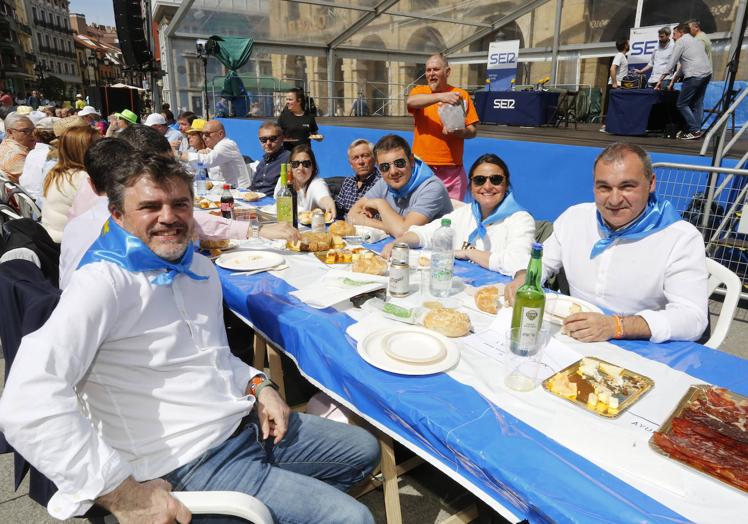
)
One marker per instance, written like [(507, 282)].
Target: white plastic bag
[(453, 116)]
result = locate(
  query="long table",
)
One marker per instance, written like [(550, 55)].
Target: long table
[(510, 465), (518, 108), (632, 112)]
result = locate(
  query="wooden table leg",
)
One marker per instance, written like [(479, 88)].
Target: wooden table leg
[(260, 352), (389, 472), (276, 370)]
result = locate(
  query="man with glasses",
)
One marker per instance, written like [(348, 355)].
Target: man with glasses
[(408, 194), (628, 253), (274, 154), (365, 175), (222, 157), (19, 140)]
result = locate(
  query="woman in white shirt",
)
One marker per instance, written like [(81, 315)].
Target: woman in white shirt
[(311, 189), (492, 230), (65, 178)]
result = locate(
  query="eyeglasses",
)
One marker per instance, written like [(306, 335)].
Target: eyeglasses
[(296, 163), (399, 163), (25, 130), (271, 138), (496, 180)]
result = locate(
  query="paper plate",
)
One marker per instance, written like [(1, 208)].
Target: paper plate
[(249, 260), (414, 347), (372, 350), (558, 307)]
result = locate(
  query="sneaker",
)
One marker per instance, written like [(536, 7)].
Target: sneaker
[(691, 136), (602, 130), (678, 134)]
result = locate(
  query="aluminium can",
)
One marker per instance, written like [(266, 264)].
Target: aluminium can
[(400, 253), (399, 285)]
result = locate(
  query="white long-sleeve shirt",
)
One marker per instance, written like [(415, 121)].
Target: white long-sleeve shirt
[(509, 241), (125, 378), (661, 277), (225, 163), (35, 169)]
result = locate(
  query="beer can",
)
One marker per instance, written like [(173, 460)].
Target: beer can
[(401, 253), (318, 220), (399, 285)]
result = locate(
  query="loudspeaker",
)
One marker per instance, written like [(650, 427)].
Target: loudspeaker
[(131, 33)]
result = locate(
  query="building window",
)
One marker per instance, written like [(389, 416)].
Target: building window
[(46, 37), (33, 10), (67, 71), (39, 36), (55, 41)]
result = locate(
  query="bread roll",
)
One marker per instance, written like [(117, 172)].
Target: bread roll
[(342, 228), (214, 244), (487, 299), (448, 322)]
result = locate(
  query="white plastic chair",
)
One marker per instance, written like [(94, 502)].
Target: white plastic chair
[(26, 205), (719, 274), (231, 503)]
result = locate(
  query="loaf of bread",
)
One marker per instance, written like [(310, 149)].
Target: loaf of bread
[(214, 244), (342, 228), (448, 322), (311, 241)]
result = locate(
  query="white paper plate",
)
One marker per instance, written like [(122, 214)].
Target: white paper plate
[(414, 347), (249, 260), (270, 209), (372, 350), (558, 307)]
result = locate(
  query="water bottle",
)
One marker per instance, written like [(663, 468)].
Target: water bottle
[(201, 179), (442, 260)]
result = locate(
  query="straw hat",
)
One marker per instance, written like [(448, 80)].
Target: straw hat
[(88, 110), (197, 126), (128, 116), (47, 123), (63, 124), (24, 110)]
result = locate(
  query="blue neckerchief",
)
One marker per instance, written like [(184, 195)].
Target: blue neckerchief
[(129, 252), (421, 173), (507, 207), (656, 216)]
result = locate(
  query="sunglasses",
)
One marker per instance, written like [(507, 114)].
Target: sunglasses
[(296, 163), (496, 180), (272, 138), (399, 163)]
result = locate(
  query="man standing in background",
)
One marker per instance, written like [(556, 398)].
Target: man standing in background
[(441, 148), (660, 58)]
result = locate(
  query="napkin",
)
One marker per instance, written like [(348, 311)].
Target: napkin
[(337, 286)]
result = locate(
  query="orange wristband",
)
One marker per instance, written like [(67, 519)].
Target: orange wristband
[(619, 326)]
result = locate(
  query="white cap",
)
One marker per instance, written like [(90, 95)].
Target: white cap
[(155, 119), (79, 95), (36, 116), (88, 110)]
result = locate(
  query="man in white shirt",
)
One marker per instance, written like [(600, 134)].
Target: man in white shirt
[(222, 157), (629, 254), (660, 58), (130, 387)]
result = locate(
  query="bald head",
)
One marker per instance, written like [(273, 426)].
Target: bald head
[(213, 133)]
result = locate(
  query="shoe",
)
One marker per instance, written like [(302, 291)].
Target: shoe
[(602, 130), (678, 134), (691, 136)]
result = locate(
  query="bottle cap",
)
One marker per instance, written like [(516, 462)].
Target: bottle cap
[(226, 186), (446, 222), (537, 246)]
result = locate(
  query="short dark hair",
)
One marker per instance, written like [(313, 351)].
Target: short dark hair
[(145, 140), (664, 30), (306, 148), (268, 124), (160, 169), (617, 150), (490, 158), (189, 116), (621, 44), (390, 142), (683, 28), (103, 158)]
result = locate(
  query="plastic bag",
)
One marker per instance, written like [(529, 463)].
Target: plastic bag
[(452, 116)]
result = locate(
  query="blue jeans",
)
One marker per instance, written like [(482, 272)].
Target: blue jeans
[(301, 479), (691, 101)]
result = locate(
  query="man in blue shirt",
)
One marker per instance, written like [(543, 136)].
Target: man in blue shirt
[(365, 175), (408, 194), (266, 175)]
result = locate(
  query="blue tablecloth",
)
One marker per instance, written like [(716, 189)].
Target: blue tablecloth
[(511, 462), (519, 108), (629, 111)]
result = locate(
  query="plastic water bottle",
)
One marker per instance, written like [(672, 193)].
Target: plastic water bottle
[(442, 260), (201, 179)]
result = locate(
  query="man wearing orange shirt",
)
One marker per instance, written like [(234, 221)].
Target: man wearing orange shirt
[(441, 148)]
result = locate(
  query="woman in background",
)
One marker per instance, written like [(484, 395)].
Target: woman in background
[(297, 123)]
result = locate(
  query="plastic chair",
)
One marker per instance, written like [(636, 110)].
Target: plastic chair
[(719, 274), (225, 503), (27, 205)]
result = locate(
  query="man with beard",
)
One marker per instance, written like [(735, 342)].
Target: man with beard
[(629, 253), (134, 389), (441, 148)]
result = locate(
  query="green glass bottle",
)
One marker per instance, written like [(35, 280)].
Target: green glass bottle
[(529, 305), (284, 200)]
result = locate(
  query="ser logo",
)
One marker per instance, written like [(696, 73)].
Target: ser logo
[(643, 48), (502, 58), (503, 103)]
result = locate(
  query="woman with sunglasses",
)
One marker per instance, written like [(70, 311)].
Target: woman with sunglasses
[(299, 126), (311, 189), (493, 230)]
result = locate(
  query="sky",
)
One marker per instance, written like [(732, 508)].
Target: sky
[(99, 11)]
